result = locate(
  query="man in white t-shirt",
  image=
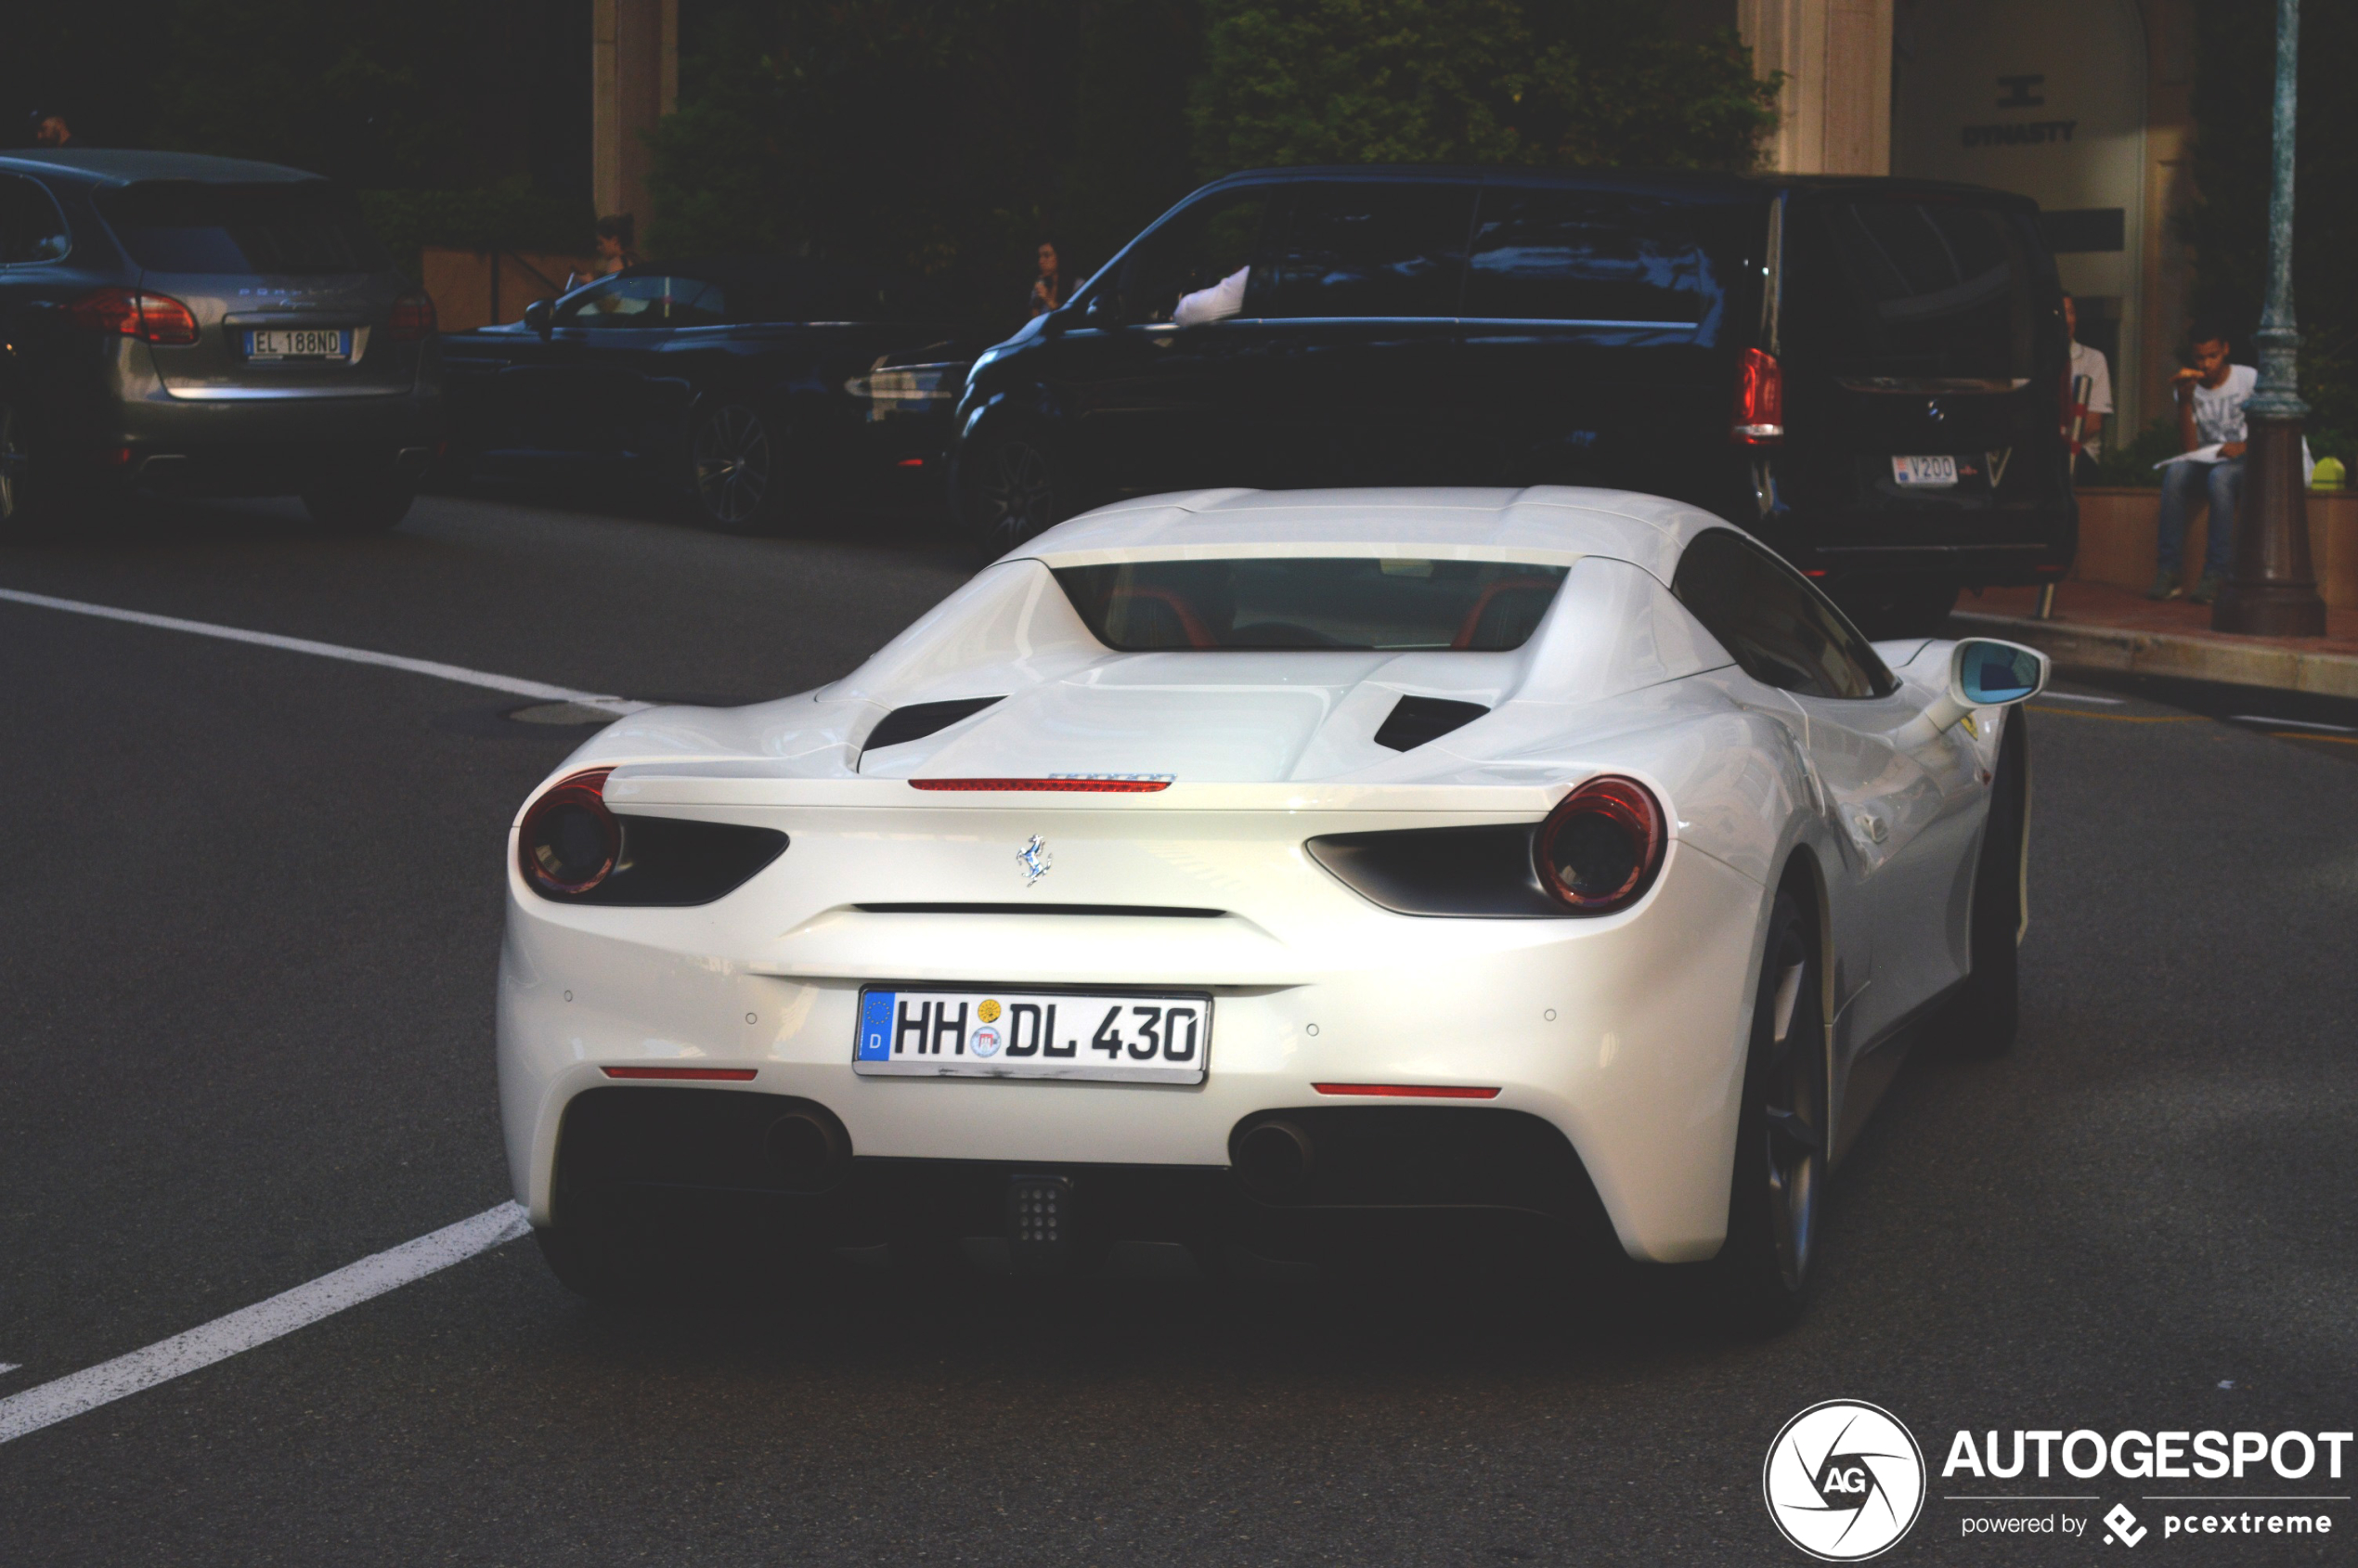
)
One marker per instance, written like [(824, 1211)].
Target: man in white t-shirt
[(2211, 395), (2091, 397)]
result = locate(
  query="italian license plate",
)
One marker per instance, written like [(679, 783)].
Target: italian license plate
[(1925, 471), (1110, 1038), (299, 343)]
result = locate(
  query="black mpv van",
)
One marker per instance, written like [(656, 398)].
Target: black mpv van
[(1865, 372)]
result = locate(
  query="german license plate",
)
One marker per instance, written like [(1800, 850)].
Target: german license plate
[(299, 343), (1925, 471), (1127, 1038)]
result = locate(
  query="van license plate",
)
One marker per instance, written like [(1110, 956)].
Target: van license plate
[(1925, 471), (299, 343)]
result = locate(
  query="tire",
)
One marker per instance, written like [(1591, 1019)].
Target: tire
[(1910, 610), (1988, 1005), (360, 509), (737, 470), (1765, 1267), (1009, 489)]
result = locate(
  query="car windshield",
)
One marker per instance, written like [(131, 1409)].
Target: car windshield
[(1312, 601), (296, 227)]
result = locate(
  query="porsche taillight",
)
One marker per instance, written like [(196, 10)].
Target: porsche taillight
[(1601, 847), (156, 318), (570, 842), (412, 319), (1760, 401)]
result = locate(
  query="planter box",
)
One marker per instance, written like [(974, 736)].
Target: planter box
[(2119, 530)]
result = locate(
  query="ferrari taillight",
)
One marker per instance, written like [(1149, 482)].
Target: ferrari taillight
[(570, 842), (156, 318), (412, 319), (1760, 401), (1600, 848)]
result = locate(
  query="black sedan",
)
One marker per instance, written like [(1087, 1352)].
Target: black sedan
[(754, 388)]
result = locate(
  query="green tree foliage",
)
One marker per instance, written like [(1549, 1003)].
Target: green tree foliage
[(1580, 81), (2233, 99)]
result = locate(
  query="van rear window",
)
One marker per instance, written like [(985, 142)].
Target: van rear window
[(1590, 256), (1911, 291), (298, 227), (1302, 602)]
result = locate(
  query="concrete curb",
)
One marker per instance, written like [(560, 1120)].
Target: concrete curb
[(2238, 663)]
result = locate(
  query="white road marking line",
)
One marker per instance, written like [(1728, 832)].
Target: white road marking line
[(2076, 697), (2289, 723), (464, 677), (259, 1324), (9, 1365)]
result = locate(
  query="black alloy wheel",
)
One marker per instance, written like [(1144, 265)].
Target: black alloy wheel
[(737, 469), (1011, 493), (349, 507), (1987, 1007), (1782, 1135)]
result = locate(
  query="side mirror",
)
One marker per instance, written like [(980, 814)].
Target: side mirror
[(1984, 672), (1102, 309), (540, 317)]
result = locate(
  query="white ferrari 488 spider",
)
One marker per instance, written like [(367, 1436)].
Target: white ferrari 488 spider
[(1233, 880)]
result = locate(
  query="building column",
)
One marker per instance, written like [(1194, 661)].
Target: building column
[(634, 76), (1834, 113)]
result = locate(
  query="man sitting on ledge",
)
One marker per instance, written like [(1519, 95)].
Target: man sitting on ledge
[(2212, 436)]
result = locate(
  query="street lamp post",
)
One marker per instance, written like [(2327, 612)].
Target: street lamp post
[(2272, 591)]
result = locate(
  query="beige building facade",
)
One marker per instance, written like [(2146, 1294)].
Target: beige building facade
[(2078, 104)]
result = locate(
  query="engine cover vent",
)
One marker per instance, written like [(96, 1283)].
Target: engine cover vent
[(1414, 721), (920, 719)]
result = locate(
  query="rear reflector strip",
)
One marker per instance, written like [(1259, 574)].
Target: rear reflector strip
[(695, 1074), (1410, 1091), (1107, 786)]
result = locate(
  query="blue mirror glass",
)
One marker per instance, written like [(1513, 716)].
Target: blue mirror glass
[(1991, 672)]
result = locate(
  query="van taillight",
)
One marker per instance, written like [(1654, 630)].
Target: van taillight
[(1760, 401), (412, 318)]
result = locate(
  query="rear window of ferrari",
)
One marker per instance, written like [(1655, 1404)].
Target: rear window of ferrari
[(1312, 601)]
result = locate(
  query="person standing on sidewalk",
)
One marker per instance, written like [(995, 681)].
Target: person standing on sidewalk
[(1048, 284), (2210, 395), (2091, 397)]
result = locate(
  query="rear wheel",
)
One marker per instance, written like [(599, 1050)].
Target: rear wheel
[(1987, 1007), (737, 469), (1008, 490), (1764, 1268), (373, 507)]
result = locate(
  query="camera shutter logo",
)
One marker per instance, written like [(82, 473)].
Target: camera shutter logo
[(1844, 1480)]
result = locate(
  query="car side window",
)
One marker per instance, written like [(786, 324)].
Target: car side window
[(644, 300), (1779, 630), (1588, 255), (31, 230), (1374, 249), (1209, 254)]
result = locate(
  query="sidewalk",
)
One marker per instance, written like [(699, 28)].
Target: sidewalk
[(2097, 626)]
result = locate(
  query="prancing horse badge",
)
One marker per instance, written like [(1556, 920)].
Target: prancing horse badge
[(1035, 860)]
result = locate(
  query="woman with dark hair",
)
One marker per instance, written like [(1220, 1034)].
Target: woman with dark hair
[(615, 235), (1048, 288)]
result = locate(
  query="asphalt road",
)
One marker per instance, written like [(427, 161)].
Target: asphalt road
[(250, 926)]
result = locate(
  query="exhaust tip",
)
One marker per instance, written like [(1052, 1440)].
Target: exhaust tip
[(808, 1151), (1274, 1160)]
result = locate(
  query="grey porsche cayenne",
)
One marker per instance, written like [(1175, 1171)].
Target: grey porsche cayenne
[(176, 323)]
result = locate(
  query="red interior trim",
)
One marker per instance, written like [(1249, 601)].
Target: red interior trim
[(1051, 786), (1410, 1091), (695, 1074)]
